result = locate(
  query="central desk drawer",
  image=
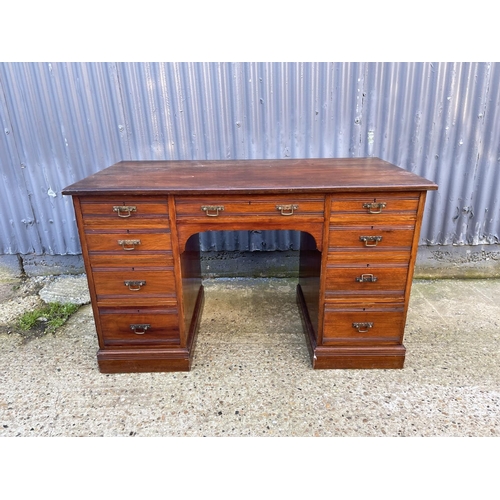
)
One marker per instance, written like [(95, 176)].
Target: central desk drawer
[(205, 209)]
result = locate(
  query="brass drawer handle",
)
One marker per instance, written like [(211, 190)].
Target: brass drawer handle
[(212, 210), (140, 329), (124, 211), (370, 241), (129, 244), (374, 208), (366, 278), (287, 209), (362, 327), (134, 286)]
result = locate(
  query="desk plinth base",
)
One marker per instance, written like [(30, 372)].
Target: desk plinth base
[(154, 360), (135, 361), (369, 358), (344, 357)]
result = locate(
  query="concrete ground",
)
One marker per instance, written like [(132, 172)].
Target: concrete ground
[(252, 375)]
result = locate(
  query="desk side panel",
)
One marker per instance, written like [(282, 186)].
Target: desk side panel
[(309, 277)]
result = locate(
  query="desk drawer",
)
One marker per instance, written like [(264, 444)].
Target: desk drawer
[(370, 237), (139, 326), (99, 260), (134, 283), (201, 209), (365, 280), (131, 242), (123, 207), (374, 208), (368, 257), (369, 325), (124, 213)]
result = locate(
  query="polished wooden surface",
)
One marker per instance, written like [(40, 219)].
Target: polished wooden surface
[(316, 175), (359, 219)]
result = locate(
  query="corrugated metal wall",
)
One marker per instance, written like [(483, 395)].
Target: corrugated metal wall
[(64, 121)]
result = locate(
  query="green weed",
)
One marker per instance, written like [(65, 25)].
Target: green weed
[(55, 315)]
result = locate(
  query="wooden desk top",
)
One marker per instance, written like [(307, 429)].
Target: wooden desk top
[(249, 176)]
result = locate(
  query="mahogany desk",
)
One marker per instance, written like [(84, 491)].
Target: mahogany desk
[(359, 219)]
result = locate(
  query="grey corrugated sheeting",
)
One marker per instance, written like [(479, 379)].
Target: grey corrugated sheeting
[(441, 121), (64, 121)]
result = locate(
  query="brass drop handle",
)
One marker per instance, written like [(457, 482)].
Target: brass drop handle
[(287, 209), (366, 278), (124, 211), (374, 208), (140, 329), (129, 244), (362, 327), (370, 241), (134, 286), (212, 210)]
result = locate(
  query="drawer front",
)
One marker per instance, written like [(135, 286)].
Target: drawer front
[(110, 223), (368, 257), (134, 283), (124, 207), (370, 237), (131, 260), (374, 208), (363, 279), (202, 209), (139, 326), (374, 283), (128, 242), (124, 213), (363, 325)]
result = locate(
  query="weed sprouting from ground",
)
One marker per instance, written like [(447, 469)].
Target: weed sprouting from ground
[(52, 316)]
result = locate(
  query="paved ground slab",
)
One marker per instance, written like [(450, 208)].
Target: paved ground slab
[(252, 375), (71, 289)]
